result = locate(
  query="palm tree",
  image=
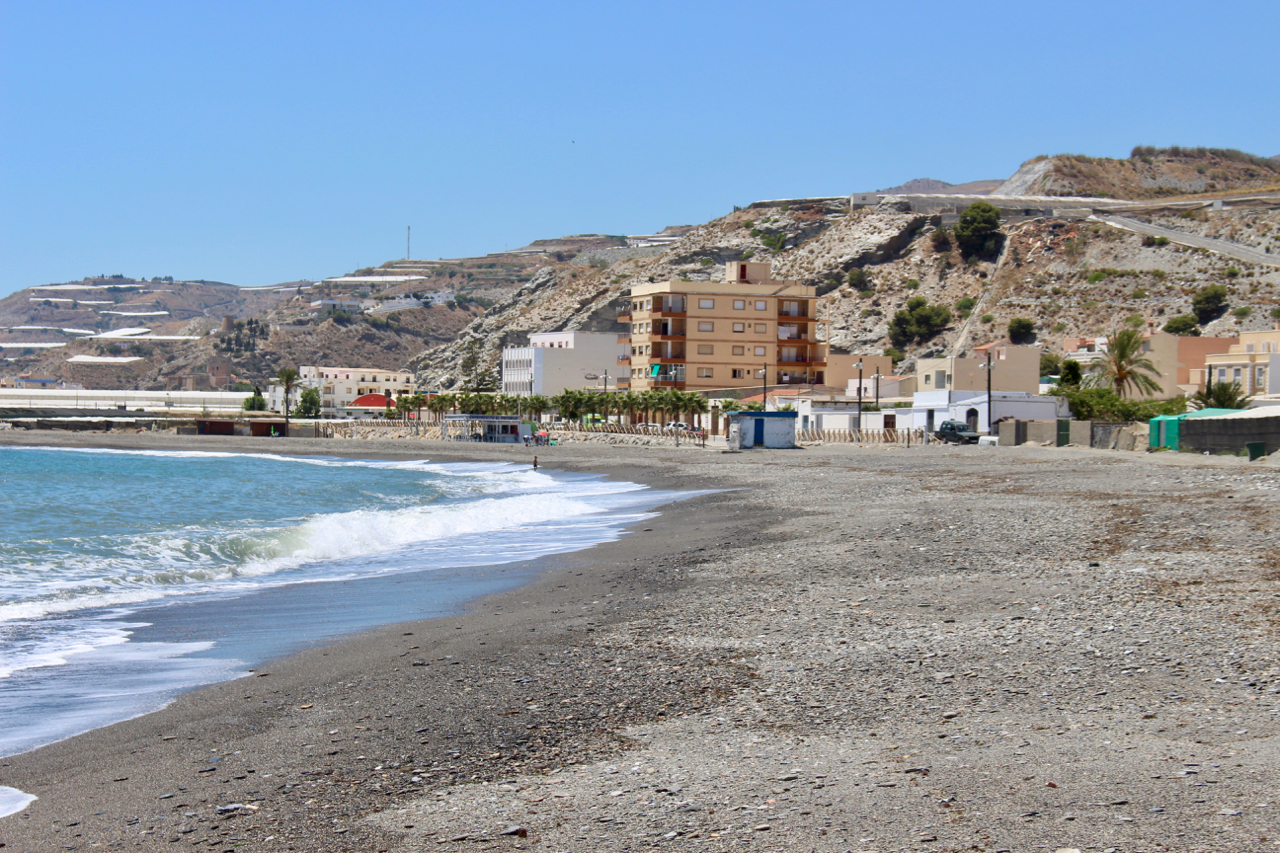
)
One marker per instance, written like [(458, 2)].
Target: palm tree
[(1125, 367), (696, 404), (288, 379), (535, 405), (629, 402), (1221, 396)]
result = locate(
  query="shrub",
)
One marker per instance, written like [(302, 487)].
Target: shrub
[(919, 321), (859, 279), (1135, 321), (1139, 293), (1021, 329), (866, 294), (1183, 325), (894, 353), (941, 240), (1209, 302), (1275, 313), (912, 284), (1105, 404), (978, 230), (1050, 364), (988, 318), (965, 305), (1149, 240), (1232, 272), (1242, 312)]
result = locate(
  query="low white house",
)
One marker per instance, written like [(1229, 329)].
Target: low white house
[(555, 361), (931, 408)]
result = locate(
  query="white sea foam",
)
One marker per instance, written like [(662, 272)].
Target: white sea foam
[(13, 801)]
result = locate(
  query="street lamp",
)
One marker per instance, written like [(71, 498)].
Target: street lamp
[(877, 378), (859, 366), (990, 406), (764, 386)]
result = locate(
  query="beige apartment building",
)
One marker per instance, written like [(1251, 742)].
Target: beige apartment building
[(1013, 368), (702, 335), (1253, 362)]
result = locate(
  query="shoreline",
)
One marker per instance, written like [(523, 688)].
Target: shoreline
[(780, 648)]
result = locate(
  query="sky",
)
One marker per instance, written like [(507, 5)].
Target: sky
[(256, 143)]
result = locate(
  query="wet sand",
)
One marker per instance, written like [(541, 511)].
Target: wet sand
[(869, 649)]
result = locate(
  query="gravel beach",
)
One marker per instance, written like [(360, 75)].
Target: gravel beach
[(840, 649)]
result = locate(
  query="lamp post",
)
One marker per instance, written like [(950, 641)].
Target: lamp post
[(859, 366), (877, 378), (764, 386), (990, 404)]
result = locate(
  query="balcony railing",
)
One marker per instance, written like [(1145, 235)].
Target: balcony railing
[(624, 359), (624, 338), (624, 315)]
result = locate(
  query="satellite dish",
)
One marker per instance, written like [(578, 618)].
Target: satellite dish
[(591, 376)]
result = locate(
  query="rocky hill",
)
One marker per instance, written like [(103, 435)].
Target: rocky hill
[(1148, 173), (1072, 277)]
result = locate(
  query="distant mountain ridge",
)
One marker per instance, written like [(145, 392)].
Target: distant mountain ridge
[(932, 186)]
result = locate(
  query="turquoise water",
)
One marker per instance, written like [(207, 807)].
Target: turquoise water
[(128, 576)]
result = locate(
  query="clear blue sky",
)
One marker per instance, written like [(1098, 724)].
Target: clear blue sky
[(255, 142)]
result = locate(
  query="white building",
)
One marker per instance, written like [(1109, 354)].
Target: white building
[(340, 386), (556, 361), (930, 408)]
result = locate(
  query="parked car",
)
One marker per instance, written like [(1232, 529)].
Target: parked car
[(956, 432), (678, 426)]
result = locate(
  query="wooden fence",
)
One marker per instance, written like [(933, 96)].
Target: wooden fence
[(862, 436)]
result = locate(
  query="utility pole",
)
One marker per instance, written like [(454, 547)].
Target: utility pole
[(859, 366), (990, 405)]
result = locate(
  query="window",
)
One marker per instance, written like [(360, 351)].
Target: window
[(706, 349), (762, 328), (739, 305), (739, 373), (706, 326), (704, 372), (1235, 374), (1260, 380), (739, 327), (706, 303), (762, 305), (647, 304), (1222, 374), (739, 350), (759, 350)]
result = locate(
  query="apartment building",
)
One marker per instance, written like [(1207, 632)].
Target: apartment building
[(1013, 368), (556, 361), (1253, 362), (701, 335), (340, 386)]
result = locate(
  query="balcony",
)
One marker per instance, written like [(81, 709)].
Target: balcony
[(624, 338), (624, 359), (811, 362), (674, 314), (624, 315)]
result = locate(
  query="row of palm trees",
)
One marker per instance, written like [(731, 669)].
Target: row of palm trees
[(571, 405)]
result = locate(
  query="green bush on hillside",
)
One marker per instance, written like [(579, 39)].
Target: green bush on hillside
[(919, 321)]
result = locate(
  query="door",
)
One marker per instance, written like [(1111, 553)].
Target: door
[(758, 439)]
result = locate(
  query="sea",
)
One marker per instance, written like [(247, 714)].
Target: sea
[(127, 577)]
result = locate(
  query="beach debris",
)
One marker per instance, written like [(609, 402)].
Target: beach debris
[(305, 707), (516, 830), (235, 808)]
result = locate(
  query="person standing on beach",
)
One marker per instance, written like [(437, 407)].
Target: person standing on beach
[(535, 463)]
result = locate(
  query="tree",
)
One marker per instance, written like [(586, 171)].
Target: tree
[(309, 404), (978, 230), (256, 403), (1184, 324), (918, 321), (1071, 374), (1221, 396), (1124, 367), (1209, 302), (1021, 329), (288, 379), (1050, 363)]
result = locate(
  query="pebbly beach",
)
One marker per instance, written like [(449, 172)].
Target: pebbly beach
[(834, 648)]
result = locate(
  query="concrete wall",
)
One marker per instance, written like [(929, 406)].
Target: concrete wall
[(1229, 435)]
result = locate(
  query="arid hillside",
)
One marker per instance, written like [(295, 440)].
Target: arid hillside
[(1148, 173), (1071, 277)]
